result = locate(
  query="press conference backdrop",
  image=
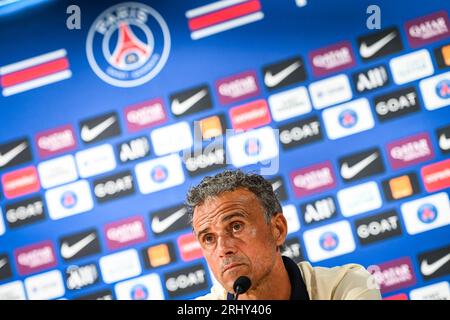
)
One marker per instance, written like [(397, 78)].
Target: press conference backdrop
[(95, 123)]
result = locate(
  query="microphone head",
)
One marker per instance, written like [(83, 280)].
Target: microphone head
[(242, 284)]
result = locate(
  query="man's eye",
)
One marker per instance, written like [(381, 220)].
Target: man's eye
[(208, 239), (236, 226)]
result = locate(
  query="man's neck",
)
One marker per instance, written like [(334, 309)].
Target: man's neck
[(275, 286)]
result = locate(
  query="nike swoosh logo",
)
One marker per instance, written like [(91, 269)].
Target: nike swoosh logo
[(444, 142), (2, 263), (271, 80), (89, 134), (181, 107), (368, 51), (11, 154), (68, 251), (276, 185), (159, 226), (349, 172), (428, 269)]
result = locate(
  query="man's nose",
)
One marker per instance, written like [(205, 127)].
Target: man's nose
[(225, 246)]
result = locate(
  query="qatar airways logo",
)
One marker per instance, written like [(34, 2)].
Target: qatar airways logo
[(428, 29), (125, 232), (313, 179), (410, 151), (332, 59), (36, 257), (56, 141)]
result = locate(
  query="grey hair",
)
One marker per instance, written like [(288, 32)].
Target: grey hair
[(230, 180)]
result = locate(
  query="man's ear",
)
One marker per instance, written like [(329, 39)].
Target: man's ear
[(279, 228)]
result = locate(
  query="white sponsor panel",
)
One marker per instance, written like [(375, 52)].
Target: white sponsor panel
[(436, 291), (119, 266), (329, 241), (348, 118), (45, 286), (2, 223), (95, 160), (411, 66), (289, 104), (426, 213), (330, 91), (359, 199), (252, 147), (57, 171), (436, 91), (12, 291), (69, 200), (158, 174), (290, 213), (147, 287), (173, 138)]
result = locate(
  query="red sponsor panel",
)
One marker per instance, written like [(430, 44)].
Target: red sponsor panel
[(436, 176), (251, 115), (189, 247), (20, 182)]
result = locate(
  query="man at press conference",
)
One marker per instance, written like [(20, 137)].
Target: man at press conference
[(240, 226)]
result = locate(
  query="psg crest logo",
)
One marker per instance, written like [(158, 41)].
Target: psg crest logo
[(128, 44)]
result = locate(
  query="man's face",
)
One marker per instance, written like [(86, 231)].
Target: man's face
[(236, 239)]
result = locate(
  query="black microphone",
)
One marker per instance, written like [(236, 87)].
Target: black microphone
[(241, 285)]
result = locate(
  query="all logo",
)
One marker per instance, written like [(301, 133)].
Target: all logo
[(100, 128), (410, 151), (80, 277), (300, 133), (35, 257), (284, 73), (190, 101), (145, 115), (205, 160), (133, 149), (79, 245), (25, 212), (113, 187), (348, 118), (426, 213), (396, 104), (5, 267), (370, 79), (68, 200), (400, 187), (292, 250), (378, 227), (238, 87), (334, 58), (313, 179), (436, 176), (435, 263), (436, 91), (126, 232), (169, 220), (318, 210), (56, 141), (128, 44), (14, 153), (380, 44), (329, 241), (159, 174), (361, 165), (443, 136), (186, 281), (159, 255), (20, 182), (427, 29), (147, 287)]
